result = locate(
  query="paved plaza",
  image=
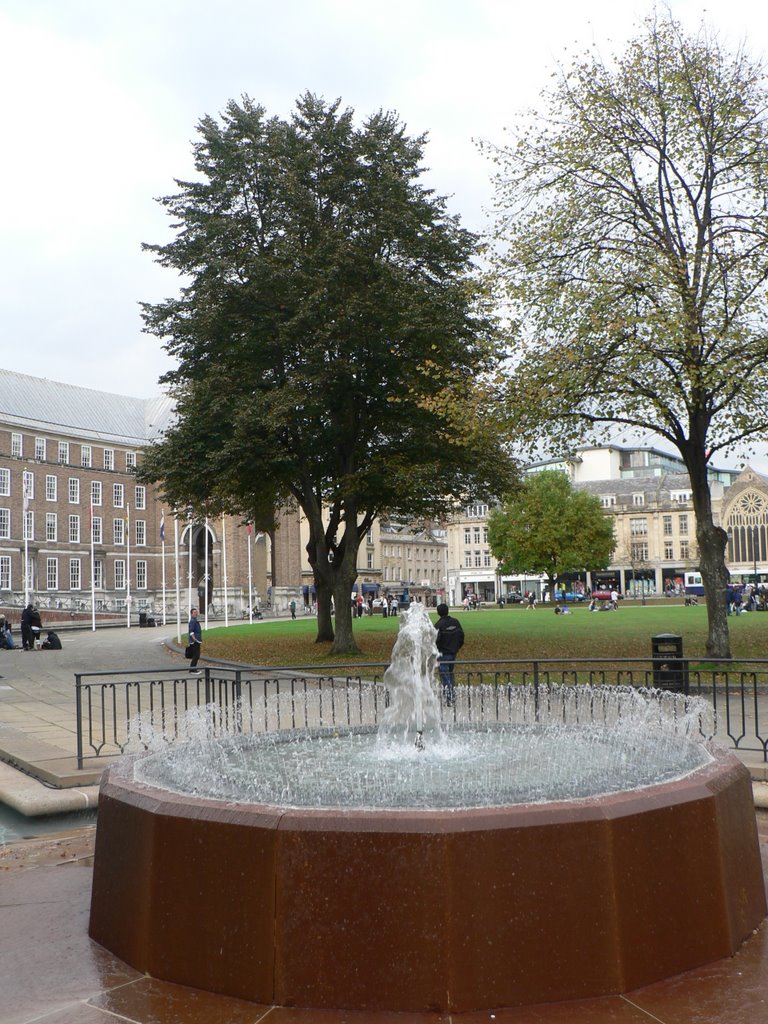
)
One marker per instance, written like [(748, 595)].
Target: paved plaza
[(51, 972)]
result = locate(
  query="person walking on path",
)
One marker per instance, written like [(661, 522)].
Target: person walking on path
[(450, 640), (195, 637)]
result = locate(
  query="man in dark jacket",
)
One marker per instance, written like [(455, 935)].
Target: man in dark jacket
[(52, 642), (450, 639)]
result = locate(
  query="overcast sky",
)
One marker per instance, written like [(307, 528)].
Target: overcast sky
[(101, 99)]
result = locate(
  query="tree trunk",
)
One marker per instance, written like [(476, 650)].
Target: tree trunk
[(712, 541)]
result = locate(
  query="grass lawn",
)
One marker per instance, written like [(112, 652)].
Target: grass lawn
[(500, 633)]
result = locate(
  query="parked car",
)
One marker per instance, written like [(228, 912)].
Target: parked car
[(570, 597), (602, 594), (513, 597)]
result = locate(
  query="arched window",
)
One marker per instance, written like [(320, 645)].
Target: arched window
[(747, 527)]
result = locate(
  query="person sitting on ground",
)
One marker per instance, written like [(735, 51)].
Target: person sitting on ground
[(51, 642), (7, 638)]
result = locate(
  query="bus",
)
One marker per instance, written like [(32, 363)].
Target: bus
[(693, 584)]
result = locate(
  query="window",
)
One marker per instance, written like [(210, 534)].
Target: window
[(118, 495), (141, 534), (680, 496), (369, 559), (118, 531), (638, 527), (119, 574), (130, 462), (74, 491), (5, 572), (29, 580), (52, 573), (368, 536), (5, 482), (667, 525), (50, 488), (409, 553), (477, 559), (95, 492), (86, 456), (638, 498), (608, 500), (98, 574), (5, 523), (684, 549), (467, 559), (75, 574), (74, 529), (51, 527), (141, 574), (669, 550), (17, 449), (28, 484), (476, 535), (477, 511), (486, 557), (682, 524), (485, 535), (639, 551), (96, 530), (40, 449), (109, 458), (29, 525), (64, 451), (467, 535)]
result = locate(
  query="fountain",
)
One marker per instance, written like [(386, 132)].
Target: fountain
[(430, 865)]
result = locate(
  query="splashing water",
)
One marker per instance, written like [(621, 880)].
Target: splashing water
[(503, 745)]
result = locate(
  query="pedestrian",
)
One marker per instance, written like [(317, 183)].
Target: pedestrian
[(195, 639), (292, 606), (450, 640), (27, 641), (51, 642), (615, 598), (531, 602)]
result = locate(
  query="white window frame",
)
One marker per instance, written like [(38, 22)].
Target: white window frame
[(141, 533), (40, 449), (98, 574), (74, 529), (86, 456), (74, 490), (17, 446), (96, 529), (51, 487), (51, 574), (109, 458), (28, 484), (5, 524), (75, 574), (5, 572), (140, 497), (118, 532), (51, 527), (120, 583), (63, 452), (29, 525), (130, 462), (96, 492), (5, 483), (118, 496), (141, 574)]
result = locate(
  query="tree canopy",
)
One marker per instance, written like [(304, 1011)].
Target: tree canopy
[(547, 527), (332, 336), (633, 234)]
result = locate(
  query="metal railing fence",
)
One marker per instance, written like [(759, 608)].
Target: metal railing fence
[(119, 711)]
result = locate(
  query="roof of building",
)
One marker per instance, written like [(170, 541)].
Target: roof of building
[(41, 404)]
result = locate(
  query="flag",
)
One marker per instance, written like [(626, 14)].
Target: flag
[(162, 526), (26, 493)]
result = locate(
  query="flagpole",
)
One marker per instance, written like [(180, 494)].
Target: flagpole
[(25, 488), (205, 573), (224, 560), (250, 578), (93, 573), (128, 564), (162, 544), (176, 569), (189, 571)]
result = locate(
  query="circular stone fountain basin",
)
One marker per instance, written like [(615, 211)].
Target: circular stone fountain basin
[(420, 909)]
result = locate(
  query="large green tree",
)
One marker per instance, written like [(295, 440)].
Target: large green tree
[(547, 527), (634, 231), (331, 336)]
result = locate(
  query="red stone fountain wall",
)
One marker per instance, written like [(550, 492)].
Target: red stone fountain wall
[(428, 910)]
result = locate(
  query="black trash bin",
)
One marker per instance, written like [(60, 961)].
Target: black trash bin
[(142, 619), (670, 668)]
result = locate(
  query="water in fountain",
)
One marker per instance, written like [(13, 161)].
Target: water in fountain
[(502, 745)]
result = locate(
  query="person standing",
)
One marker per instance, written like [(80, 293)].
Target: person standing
[(292, 606), (450, 640), (195, 638), (27, 641)]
